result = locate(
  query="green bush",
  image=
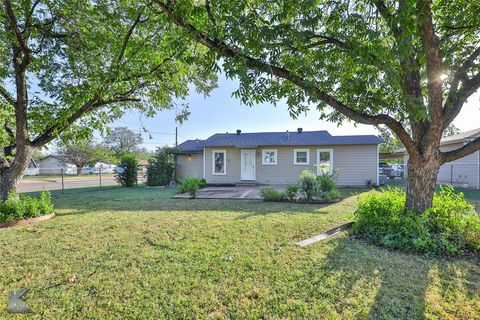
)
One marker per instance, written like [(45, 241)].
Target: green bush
[(271, 194), (331, 195), (190, 186), (309, 184), (326, 182), (450, 227), (160, 167), (129, 162), (202, 183), (291, 191), (17, 208)]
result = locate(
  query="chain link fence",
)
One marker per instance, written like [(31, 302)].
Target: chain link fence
[(66, 178), (464, 175)]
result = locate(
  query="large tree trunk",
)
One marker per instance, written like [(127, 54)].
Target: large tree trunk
[(421, 180), (12, 173), (79, 170)]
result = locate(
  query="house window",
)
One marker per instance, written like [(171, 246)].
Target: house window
[(269, 156), (324, 161), (219, 158), (301, 156)]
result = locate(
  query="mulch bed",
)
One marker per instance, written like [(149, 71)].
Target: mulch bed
[(27, 221)]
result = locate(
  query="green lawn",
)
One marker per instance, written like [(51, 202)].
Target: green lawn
[(137, 254)]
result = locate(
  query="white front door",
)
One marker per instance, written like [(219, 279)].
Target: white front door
[(248, 165)]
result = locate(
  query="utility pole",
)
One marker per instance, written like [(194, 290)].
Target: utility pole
[(176, 137)]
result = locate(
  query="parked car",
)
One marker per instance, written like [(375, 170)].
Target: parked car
[(88, 170), (398, 169), (387, 170)]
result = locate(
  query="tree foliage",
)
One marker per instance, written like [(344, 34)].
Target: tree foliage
[(129, 163), (160, 167), (121, 140), (408, 65), (77, 65)]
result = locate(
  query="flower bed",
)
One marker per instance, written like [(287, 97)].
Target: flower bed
[(20, 210), (309, 189)]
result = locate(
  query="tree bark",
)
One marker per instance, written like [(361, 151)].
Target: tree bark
[(79, 170), (11, 174), (421, 180)]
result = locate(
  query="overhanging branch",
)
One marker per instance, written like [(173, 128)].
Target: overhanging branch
[(89, 106), (467, 149), (226, 50), (7, 96)]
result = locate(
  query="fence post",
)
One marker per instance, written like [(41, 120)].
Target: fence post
[(63, 185)]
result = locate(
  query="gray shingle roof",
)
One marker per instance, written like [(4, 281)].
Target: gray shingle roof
[(191, 146), (250, 140)]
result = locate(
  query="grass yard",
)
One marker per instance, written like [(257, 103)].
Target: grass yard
[(137, 254)]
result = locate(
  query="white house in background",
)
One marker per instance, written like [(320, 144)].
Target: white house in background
[(33, 168), (52, 165), (279, 157), (464, 172)]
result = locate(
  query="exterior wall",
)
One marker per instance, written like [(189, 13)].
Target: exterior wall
[(232, 166), (356, 164), (53, 166), (189, 166), (463, 172)]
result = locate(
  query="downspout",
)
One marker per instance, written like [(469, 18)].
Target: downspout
[(204, 163), (378, 160)]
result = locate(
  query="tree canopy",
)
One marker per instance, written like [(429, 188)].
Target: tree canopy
[(75, 65), (408, 65)]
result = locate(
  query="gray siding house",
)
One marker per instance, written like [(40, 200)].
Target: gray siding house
[(279, 157), (464, 172)]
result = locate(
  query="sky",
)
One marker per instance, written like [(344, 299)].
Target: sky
[(220, 112)]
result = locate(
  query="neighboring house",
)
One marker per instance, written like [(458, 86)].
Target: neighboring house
[(33, 168), (279, 157), (463, 172), (52, 165)]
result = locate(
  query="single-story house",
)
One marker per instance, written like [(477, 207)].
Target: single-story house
[(33, 168), (464, 172), (279, 157), (52, 165)]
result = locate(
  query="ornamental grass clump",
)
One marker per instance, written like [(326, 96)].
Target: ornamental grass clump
[(450, 227)]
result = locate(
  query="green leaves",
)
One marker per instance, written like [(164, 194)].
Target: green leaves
[(91, 61)]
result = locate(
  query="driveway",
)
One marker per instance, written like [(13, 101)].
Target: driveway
[(237, 192)]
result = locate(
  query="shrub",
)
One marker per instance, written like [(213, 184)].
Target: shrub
[(129, 163), (331, 195), (17, 208), (309, 184), (190, 186), (450, 227), (160, 167), (203, 183), (326, 182), (271, 194), (291, 191)]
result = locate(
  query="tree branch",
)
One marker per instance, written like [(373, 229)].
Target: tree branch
[(209, 13), (388, 17), (434, 63), (89, 106), (28, 19), (7, 96), (12, 21), (227, 51), (467, 149), (456, 97)]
